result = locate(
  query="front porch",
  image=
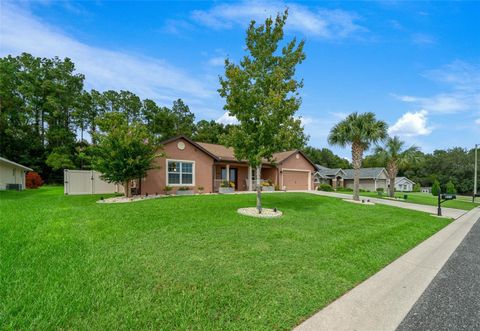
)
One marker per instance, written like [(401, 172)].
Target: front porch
[(241, 176)]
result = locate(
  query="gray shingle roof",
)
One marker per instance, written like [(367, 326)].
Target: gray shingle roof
[(365, 173), (327, 172)]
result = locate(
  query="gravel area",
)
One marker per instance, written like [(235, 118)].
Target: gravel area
[(266, 212), (452, 300), (135, 198)]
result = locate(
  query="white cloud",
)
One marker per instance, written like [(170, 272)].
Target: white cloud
[(104, 69), (477, 121), (411, 125), (441, 103), (217, 61), (324, 23), (227, 119), (462, 81)]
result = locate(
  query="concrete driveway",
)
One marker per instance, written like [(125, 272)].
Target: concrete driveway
[(447, 212)]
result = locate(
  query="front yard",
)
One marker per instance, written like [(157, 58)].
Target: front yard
[(189, 262), (461, 202)]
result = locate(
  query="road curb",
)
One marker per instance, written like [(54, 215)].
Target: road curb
[(382, 301)]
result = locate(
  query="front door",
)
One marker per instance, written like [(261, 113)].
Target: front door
[(233, 176)]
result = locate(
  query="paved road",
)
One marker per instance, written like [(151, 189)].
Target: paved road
[(452, 300), (447, 212), (382, 301)]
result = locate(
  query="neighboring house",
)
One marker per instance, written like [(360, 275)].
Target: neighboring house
[(426, 190), (334, 177), (12, 175), (195, 164), (403, 184), (370, 178)]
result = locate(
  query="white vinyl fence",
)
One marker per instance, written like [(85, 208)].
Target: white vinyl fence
[(78, 182)]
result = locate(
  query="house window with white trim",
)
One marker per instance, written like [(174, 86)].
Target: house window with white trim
[(180, 172)]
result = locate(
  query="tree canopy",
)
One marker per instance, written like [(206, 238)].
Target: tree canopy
[(360, 131), (262, 93)]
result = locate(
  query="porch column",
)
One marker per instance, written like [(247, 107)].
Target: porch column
[(228, 173), (249, 178)]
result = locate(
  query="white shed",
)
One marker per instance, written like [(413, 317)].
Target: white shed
[(403, 184), (12, 175)]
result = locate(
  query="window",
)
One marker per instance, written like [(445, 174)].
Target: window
[(180, 172)]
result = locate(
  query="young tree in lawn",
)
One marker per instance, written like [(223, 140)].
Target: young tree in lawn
[(124, 153), (262, 93), (359, 131), (393, 156)]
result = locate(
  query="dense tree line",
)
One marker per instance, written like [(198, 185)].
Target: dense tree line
[(455, 165), (46, 115), (49, 121), (326, 158)]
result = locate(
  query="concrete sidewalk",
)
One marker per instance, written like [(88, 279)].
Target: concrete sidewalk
[(447, 212), (382, 301)]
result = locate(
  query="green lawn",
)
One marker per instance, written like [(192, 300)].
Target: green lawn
[(428, 199), (188, 262)]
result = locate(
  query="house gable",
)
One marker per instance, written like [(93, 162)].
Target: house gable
[(180, 149)]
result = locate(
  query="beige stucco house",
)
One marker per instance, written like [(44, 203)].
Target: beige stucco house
[(195, 165), (370, 178), (12, 175)]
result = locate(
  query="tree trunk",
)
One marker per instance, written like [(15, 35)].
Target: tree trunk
[(259, 189), (127, 188), (357, 153), (392, 174)]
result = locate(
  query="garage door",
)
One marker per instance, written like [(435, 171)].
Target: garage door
[(295, 180)]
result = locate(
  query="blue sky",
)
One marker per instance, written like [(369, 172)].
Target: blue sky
[(415, 64)]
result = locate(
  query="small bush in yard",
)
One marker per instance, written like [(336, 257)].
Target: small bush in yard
[(33, 180), (380, 189), (450, 188), (345, 189), (325, 187)]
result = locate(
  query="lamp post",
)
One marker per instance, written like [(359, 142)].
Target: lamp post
[(476, 176)]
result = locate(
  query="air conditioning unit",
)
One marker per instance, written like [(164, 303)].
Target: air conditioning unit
[(14, 187)]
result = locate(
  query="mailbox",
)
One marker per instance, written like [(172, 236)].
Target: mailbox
[(449, 196)]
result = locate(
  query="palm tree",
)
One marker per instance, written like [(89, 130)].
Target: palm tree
[(394, 157), (359, 130)]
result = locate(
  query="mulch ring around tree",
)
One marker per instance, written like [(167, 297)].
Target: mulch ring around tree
[(266, 212)]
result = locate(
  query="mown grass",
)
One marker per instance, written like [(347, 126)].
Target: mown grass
[(188, 262), (428, 199)]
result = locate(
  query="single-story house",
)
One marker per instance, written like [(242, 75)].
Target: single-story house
[(12, 175), (334, 177), (370, 178), (403, 184), (192, 164)]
